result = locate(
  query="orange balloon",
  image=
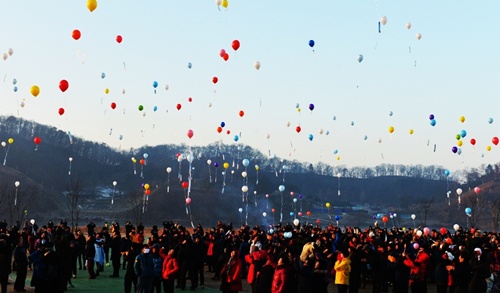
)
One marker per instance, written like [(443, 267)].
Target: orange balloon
[(241, 113)]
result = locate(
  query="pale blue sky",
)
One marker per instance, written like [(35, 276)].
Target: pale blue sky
[(451, 72)]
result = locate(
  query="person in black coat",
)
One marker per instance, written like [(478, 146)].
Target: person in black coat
[(21, 265), (462, 273), (264, 278), (480, 271), (90, 255), (5, 258), (129, 256), (115, 245)]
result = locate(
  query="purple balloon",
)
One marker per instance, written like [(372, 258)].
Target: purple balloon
[(431, 116), (300, 195), (311, 107), (454, 149), (216, 164)]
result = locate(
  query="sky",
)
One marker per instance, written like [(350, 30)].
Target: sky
[(451, 72)]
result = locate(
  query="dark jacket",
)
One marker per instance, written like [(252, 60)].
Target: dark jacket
[(144, 265)]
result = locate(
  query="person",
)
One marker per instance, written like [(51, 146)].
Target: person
[(21, 265), (5, 257), (90, 228), (130, 279), (461, 273), (480, 267), (144, 270), (418, 270), (255, 259), (231, 274), (342, 270), (169, 270), (80, 249), (116, 246), (197, 273), (158, 267), (99, 253), (90, 255), (280, 277)]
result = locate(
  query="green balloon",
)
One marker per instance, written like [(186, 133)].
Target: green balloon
[(141, 108), (458, 137)]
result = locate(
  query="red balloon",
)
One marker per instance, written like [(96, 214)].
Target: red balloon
[(318, 221), (494, 140), (61, 111), (235, 44), (37, 140), (298, 129), (76, 34), (219, 129), (225, 57), (147, 191), (119, 39), (190, 133), (142, 161), (472, 141), (273, 210), (222, 52), (477, 190), (308, 213), (241, 113), (185, 185), (179, 106), (442, 230), (215, 79), (188, 200), (228, 132), (63, 85), (385, 219), (113, 105), (190, 99), (177, 155)]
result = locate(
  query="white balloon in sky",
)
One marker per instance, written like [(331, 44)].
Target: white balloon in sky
[(419, 36), (11, 51), (383, 20), (166, 87), (257, 65), (5, 56), (408, 25)]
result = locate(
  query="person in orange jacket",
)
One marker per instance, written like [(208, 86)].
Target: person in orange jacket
[(169, 270)]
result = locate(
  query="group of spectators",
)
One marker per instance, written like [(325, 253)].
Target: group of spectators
[(283, 258)]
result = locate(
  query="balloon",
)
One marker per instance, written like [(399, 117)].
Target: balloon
[(416, 246), (419, 233), (113, 105), (494, 140), (431, 116), (190, 65), (188, 200), (145, 156), (235, 45), (383, 20), (146, 186), (91, 5), (63, 85), (222, 52), (408, 25), (5, 56), (257, 167), (298, 129), (488, 148), (11, 51), (477, 190), (216, 164), (468, 211), (10, 140), (311, 107), (391, 129), (311, 43), (106, 91), (360, 58), (411, 131), (219, 129), (155, 84), (337, 217), (426, 231), (472, 141), (225, 165), (15, 89), (244, 188), (328, 205), (433, 122), (169, 169), (133, 160), (281, 188), (296, 222), (413, 217), (240, 210), (60, 111), (76, 34), (447, 172), (442, 230), (119, 39), (244, 174), (264, 214), (190, 133), (140, 107), (225, 57), (178, 106), (462, 119), (35, 90), (490, 120), (185, 185), (454, 149), (241, 113), (190, 99), (256, 65), (459, 191), (299, 214), (419, 36), (273, 210), (4, 144), (215, 79), (103, 75), (236, 137), (456, 227), (459, 143), (37, 140), (385, 219), (142, 161), (246, 162), (463, 133)]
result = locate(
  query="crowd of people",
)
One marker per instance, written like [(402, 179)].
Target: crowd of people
[(282, 258)]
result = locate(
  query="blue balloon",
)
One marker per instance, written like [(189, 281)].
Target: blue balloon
[(236, 138), (311, 137), (337, 218), (155, 108), (433, 122), (459, 152), (14, 81), (121, 136), (447, 172), (15, 88), (222, 124), (468, 211), (155, 84), (291, 214), (103, 75), (311, 43), (463, 133), (190, 65), (490, 120), (335, 152)]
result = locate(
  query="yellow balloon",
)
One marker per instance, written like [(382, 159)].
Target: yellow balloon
[(488, 148), (462, 119), (225, 3), (328, 205), (459, 143), (35, 90), (411, 131), (338, 158), (134, 160), (298, 110), (225, 165), (106, 91), (146, 186), (91, 5), (257, 167), (10, 140), (391, 129)]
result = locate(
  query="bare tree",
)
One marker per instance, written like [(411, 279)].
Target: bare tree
[(478, 207), (135, 203), (74, 199), (18, 200), (494, 204), (422, 209)]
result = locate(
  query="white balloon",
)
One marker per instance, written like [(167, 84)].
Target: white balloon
[(190, 157), (459, 191), (3, 143), (218, 2), (282, 188), (419, 233), (244, 188), (169, 169), (296, 222), (257, 65), (17, 183), (114, 183), (456, 227), (413, 217), (419, 36), (240, 210), (209, 162), (408, 25), (383, 20), (5, 56), (70, 159), (11, 51), (244, 174), (264, 214)]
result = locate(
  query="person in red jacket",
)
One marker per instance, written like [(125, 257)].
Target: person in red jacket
[(418, 269), (280, 278), (256, 259), (231, 274), (170, 269)]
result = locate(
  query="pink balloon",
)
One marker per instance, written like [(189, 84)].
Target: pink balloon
[(477, 190), (300, 214), (416, 246), (426, 231), (188, 200)]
